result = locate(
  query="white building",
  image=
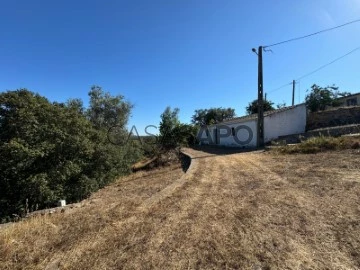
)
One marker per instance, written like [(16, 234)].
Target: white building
[(242, 131), (351, 100)]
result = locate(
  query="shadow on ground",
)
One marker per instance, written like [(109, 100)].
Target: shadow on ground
[(185, 161), (221, 150)]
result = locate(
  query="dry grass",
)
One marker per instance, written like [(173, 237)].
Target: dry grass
[(321, 143), (238, 211), (142, 164)]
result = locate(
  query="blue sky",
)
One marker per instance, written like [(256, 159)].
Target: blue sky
[(179, 53)]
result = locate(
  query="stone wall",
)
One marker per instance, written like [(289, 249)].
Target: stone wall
[(330, 131), (335, 117)]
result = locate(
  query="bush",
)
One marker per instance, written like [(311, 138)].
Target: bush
[(174, 134), (51, 151)]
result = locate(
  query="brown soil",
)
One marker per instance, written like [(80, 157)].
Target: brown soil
[(254, 210)]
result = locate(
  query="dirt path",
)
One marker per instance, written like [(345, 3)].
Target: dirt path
[(229, 211)]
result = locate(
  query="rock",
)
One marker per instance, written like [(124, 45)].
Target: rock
[(54, 265)]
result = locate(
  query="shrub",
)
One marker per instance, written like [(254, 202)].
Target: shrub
[(51, 151), (321, 143)]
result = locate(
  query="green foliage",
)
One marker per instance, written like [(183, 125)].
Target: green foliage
[(321, 97), (169, 120), (173, 133), (253, 106), (51, 151), (76, 104), (212, 116), (107, 111), (185, 134), (149, 145), (321, 143)]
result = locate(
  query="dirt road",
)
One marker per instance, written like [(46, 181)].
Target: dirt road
[(229, 211)]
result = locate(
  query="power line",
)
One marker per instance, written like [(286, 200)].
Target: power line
[(314, 71), (323, 66), (280, 87), (306, 36)]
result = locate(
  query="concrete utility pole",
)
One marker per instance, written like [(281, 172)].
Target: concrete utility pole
[(260, 122), (293, 94)]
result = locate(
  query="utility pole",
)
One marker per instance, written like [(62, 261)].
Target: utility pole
[(293, 94), (260, 122), (265, 97)]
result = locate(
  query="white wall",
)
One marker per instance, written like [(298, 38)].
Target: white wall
[(245, 134), (207, 135), (280, 123), (292, 121)]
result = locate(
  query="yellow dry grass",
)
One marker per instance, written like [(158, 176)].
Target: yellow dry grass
[(236, 211)]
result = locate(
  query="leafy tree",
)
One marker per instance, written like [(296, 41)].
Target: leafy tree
[(172, 132), (76, 104), (106, 111), (253, 106), (43, 147), (169, 121), (212, 116), (321, 97), (185, 134), (51, 151)]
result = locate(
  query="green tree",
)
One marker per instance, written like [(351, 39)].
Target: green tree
[(253, 106), (76, 104), (106, 111), (172, 132), (321, 97), (44, 147), (51, 151), (212, 116), (169, 121)]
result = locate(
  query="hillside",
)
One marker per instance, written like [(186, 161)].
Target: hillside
[(256, 210)]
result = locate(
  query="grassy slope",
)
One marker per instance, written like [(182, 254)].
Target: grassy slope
[(238, 211), (322, 143)]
